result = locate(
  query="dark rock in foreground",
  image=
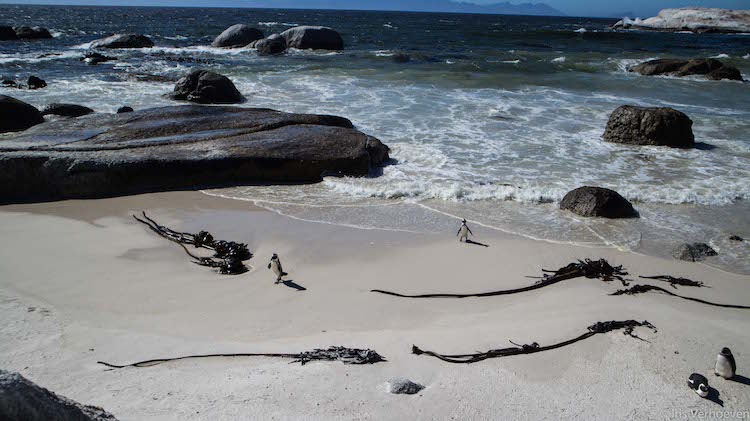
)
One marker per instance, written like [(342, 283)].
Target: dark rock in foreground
[(36, 83), (26, 32), (124, 109), (206, 87), (654, 126), (693, 252), (400, 386), (272, 45), (179, 148), (7, 33), (313, 38), (237, 36), (711, 68), (736, 238), (21, 399), (16, 115), (66, 110), (598, 201), (124, 41)]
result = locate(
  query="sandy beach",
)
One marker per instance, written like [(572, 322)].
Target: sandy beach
[(82, 281)]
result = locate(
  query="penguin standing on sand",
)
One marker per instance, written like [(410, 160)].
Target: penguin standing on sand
[(725, 364), (699, 384), (463, 232), (275, 265)]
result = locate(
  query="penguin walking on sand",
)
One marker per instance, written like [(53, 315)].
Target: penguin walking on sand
[(725, 364), (463, 232), (275, 265), (699, 384)]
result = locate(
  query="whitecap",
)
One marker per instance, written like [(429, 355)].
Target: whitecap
[(722, 55), (581, 30), (559, 60)]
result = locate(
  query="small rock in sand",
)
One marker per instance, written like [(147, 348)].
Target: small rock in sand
[(693, 252), (402, 386)]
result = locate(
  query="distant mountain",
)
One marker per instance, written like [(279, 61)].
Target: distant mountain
[(504, 8)]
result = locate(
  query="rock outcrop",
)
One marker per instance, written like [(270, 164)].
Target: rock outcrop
[(21, 399), (179, 148), (16, 115), (272, 45), (66, 110), (401, 386), (695, 19), (7, 33), (693, 252), (313, 38), (597, 201), (124, 109), (123, 41), (654, 126), (36, 32), (711, 68), (35, 82), (206, 87), (237, 36)]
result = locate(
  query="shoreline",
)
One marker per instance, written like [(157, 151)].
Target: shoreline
[(99, 280)]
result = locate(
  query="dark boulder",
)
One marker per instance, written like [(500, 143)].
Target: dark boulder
[(633, 125), (125, 109), (66, 110), (17, 115), (401, 57), (313, 38), (21, 399), (124, 41), (36, 83), (693, 252), (93, 58), (26, 32), (598, 201), (7, 83), (237, 36), (736, 238), (206, 87), (7, 33), (179, 148), (711, 68), (272, 45)]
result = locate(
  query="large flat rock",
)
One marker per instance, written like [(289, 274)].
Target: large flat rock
[(179, 148)]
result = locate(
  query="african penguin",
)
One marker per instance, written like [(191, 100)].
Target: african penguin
[(275, 265), (725, 364), (463, 232), (699, 384)]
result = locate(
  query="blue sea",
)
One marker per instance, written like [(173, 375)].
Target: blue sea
[(492, 118)]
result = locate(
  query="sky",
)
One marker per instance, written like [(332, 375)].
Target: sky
[(604, 8)]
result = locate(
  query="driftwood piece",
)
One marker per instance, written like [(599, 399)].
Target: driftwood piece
[(596, 328), (675, 281), (642, 289), (592, 269), (228, 255), (334, 353)]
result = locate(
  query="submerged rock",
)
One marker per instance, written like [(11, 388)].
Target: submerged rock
[(179, 148), (272, 45), (401, 386), (736, 238), (124, 41), (693, 252), (237, 36), (597, 201), (206, 87), (21, 399), (66, 110), (633, 125), (711, 68), (36, 83), (7, 33), (695, 19), (36, 32), (93, 58), (124, 109), (16, 115), (313, 38)]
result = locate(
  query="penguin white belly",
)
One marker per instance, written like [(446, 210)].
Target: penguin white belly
[(464, 232), (723, 367), (275, 268)]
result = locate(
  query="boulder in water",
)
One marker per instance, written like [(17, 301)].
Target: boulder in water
[(633, 125), (66, 110), (93, 58), (709, 67), (695, 19), (7, 33), (694, 252), (272, 45), (8, 83), (21, 399), (401, 386), (123, 41), (16, 115), (36, 32), (237, 36), (597, 201), (313, 38), (125, 109), (36, 83), (206, 87)]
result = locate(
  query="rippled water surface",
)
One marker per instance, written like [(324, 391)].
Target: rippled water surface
[(493, 118)]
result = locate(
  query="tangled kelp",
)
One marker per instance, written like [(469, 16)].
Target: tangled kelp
[(335, 353), (228, 256), (597, 328), (592, 269), (642, 289), (675, 281)]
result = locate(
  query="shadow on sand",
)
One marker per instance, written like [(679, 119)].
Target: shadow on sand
[(713, 396), (475, 243), (740, 379), (294, 285)]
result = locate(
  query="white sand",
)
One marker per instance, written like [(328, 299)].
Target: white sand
[(81, 281)]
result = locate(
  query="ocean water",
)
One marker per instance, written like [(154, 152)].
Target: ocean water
[(493, 118)]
